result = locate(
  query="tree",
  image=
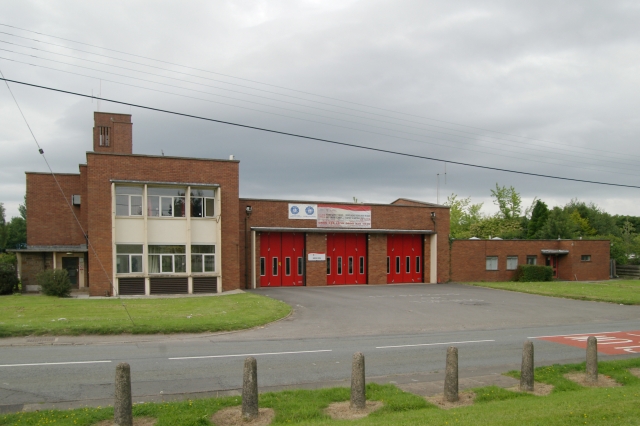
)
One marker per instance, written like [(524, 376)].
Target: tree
[(599, 220), (584, 227), (508, 201), (539, 217), (13, 234), (463, 214), (3, 228), (559, 225), (495, 226)]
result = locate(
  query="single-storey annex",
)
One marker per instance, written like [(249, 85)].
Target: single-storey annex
[(172, 225)]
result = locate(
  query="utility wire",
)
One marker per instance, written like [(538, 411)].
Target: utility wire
[(543, 160), (476, 137), (41, 151), (386, 151), (607, 152)]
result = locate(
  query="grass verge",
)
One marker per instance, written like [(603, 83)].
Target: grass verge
[(568, 404), (626, 292), (42, 315)]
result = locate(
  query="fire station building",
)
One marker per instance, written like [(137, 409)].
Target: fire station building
[(131, 224)]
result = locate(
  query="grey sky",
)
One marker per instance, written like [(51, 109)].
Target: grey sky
[(556, 82)]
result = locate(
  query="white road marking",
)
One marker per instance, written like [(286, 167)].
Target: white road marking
[(434, 344), (576, 334), (264, 353), (53, 363)]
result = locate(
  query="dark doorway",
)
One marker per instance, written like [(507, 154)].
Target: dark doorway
[(71, 265)]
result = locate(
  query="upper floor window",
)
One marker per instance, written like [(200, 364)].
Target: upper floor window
[(166, 202), (103, 133), (585, 258), (128, 258), (128, 200), (203, 258), (167, 259), (202, 202)]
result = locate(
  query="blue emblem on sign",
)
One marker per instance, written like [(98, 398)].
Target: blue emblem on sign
[(309, 210), (295, 210)]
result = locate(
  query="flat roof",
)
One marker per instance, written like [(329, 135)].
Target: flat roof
[(349, 203), (342, 230), (162, 156), (82, 248)]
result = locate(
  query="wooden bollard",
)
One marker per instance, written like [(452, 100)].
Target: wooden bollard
[(122, 407), (592, 360), (526, 370), (451, 375), (250, 389), (358, 395)]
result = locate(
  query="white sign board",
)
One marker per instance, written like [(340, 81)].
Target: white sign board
[(317, 257), (303, 211), (344, 216)]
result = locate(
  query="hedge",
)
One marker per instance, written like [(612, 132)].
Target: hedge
[(533, 273)]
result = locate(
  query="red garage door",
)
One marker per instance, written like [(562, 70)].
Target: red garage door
[(346, 259), (281, 259), (404, 258)]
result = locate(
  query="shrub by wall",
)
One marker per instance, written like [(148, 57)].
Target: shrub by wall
[(8, 279), (54, 282), (533, 273)]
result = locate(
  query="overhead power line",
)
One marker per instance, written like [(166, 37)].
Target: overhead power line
[(553, 144), (385, 151)]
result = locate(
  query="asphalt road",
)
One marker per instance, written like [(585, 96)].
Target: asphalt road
[(403, 330)]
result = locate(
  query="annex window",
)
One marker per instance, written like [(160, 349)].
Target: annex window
[(103, 133), (128, 258), (532, 260), (203, 258), (128, 200), (202, 202), (492, 263), (328, 265), (417, 264), (166, 202), (263, 267), (585, 258), (361, 264), (512, 263), (300, 266), (167, 259)]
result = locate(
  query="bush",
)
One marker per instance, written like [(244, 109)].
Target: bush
[(8, 279), (533, 273), (54, 282)]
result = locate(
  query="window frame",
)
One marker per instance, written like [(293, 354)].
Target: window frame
[(531, 257), (585, 258), (487, 263), (511, 258), (263, 266), (418, 264), (361, 265), (129, 256), (203, 258), (175, 259)]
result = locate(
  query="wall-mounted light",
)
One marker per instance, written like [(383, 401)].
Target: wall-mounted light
[(249, 210)]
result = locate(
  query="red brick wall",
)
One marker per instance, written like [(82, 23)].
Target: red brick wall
[(120, 133), (31, 264), (316, 271), (102, 168), (49, 219), (274, 213), (468, 258)]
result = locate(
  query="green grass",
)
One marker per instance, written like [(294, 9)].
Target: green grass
[(568, 404), (41, 315), (626, 292)]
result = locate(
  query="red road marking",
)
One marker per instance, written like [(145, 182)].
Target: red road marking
[(616, 343)]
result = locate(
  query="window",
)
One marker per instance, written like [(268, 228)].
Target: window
[(202, 202), (585, 258), (417, 264), (397, 264), (103, 133), (203, 258), (512, 263), (128, 200), (128, 258), (300, 266), (328, 265), (408, 265), (350, 265), (532, 260), (339, 265), (166, 202), (263, 266), (492, 263), (274, 270), (167, 259), (361, 264), (287, 266), (388, 265)]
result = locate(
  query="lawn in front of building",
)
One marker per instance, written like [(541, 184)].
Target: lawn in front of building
[(626, 292), (23, 315)]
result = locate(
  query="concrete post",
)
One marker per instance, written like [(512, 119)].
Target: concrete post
[(122, 414), (526, 371), (250, 389), (358, 396), (592, 360), (451, 375)]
